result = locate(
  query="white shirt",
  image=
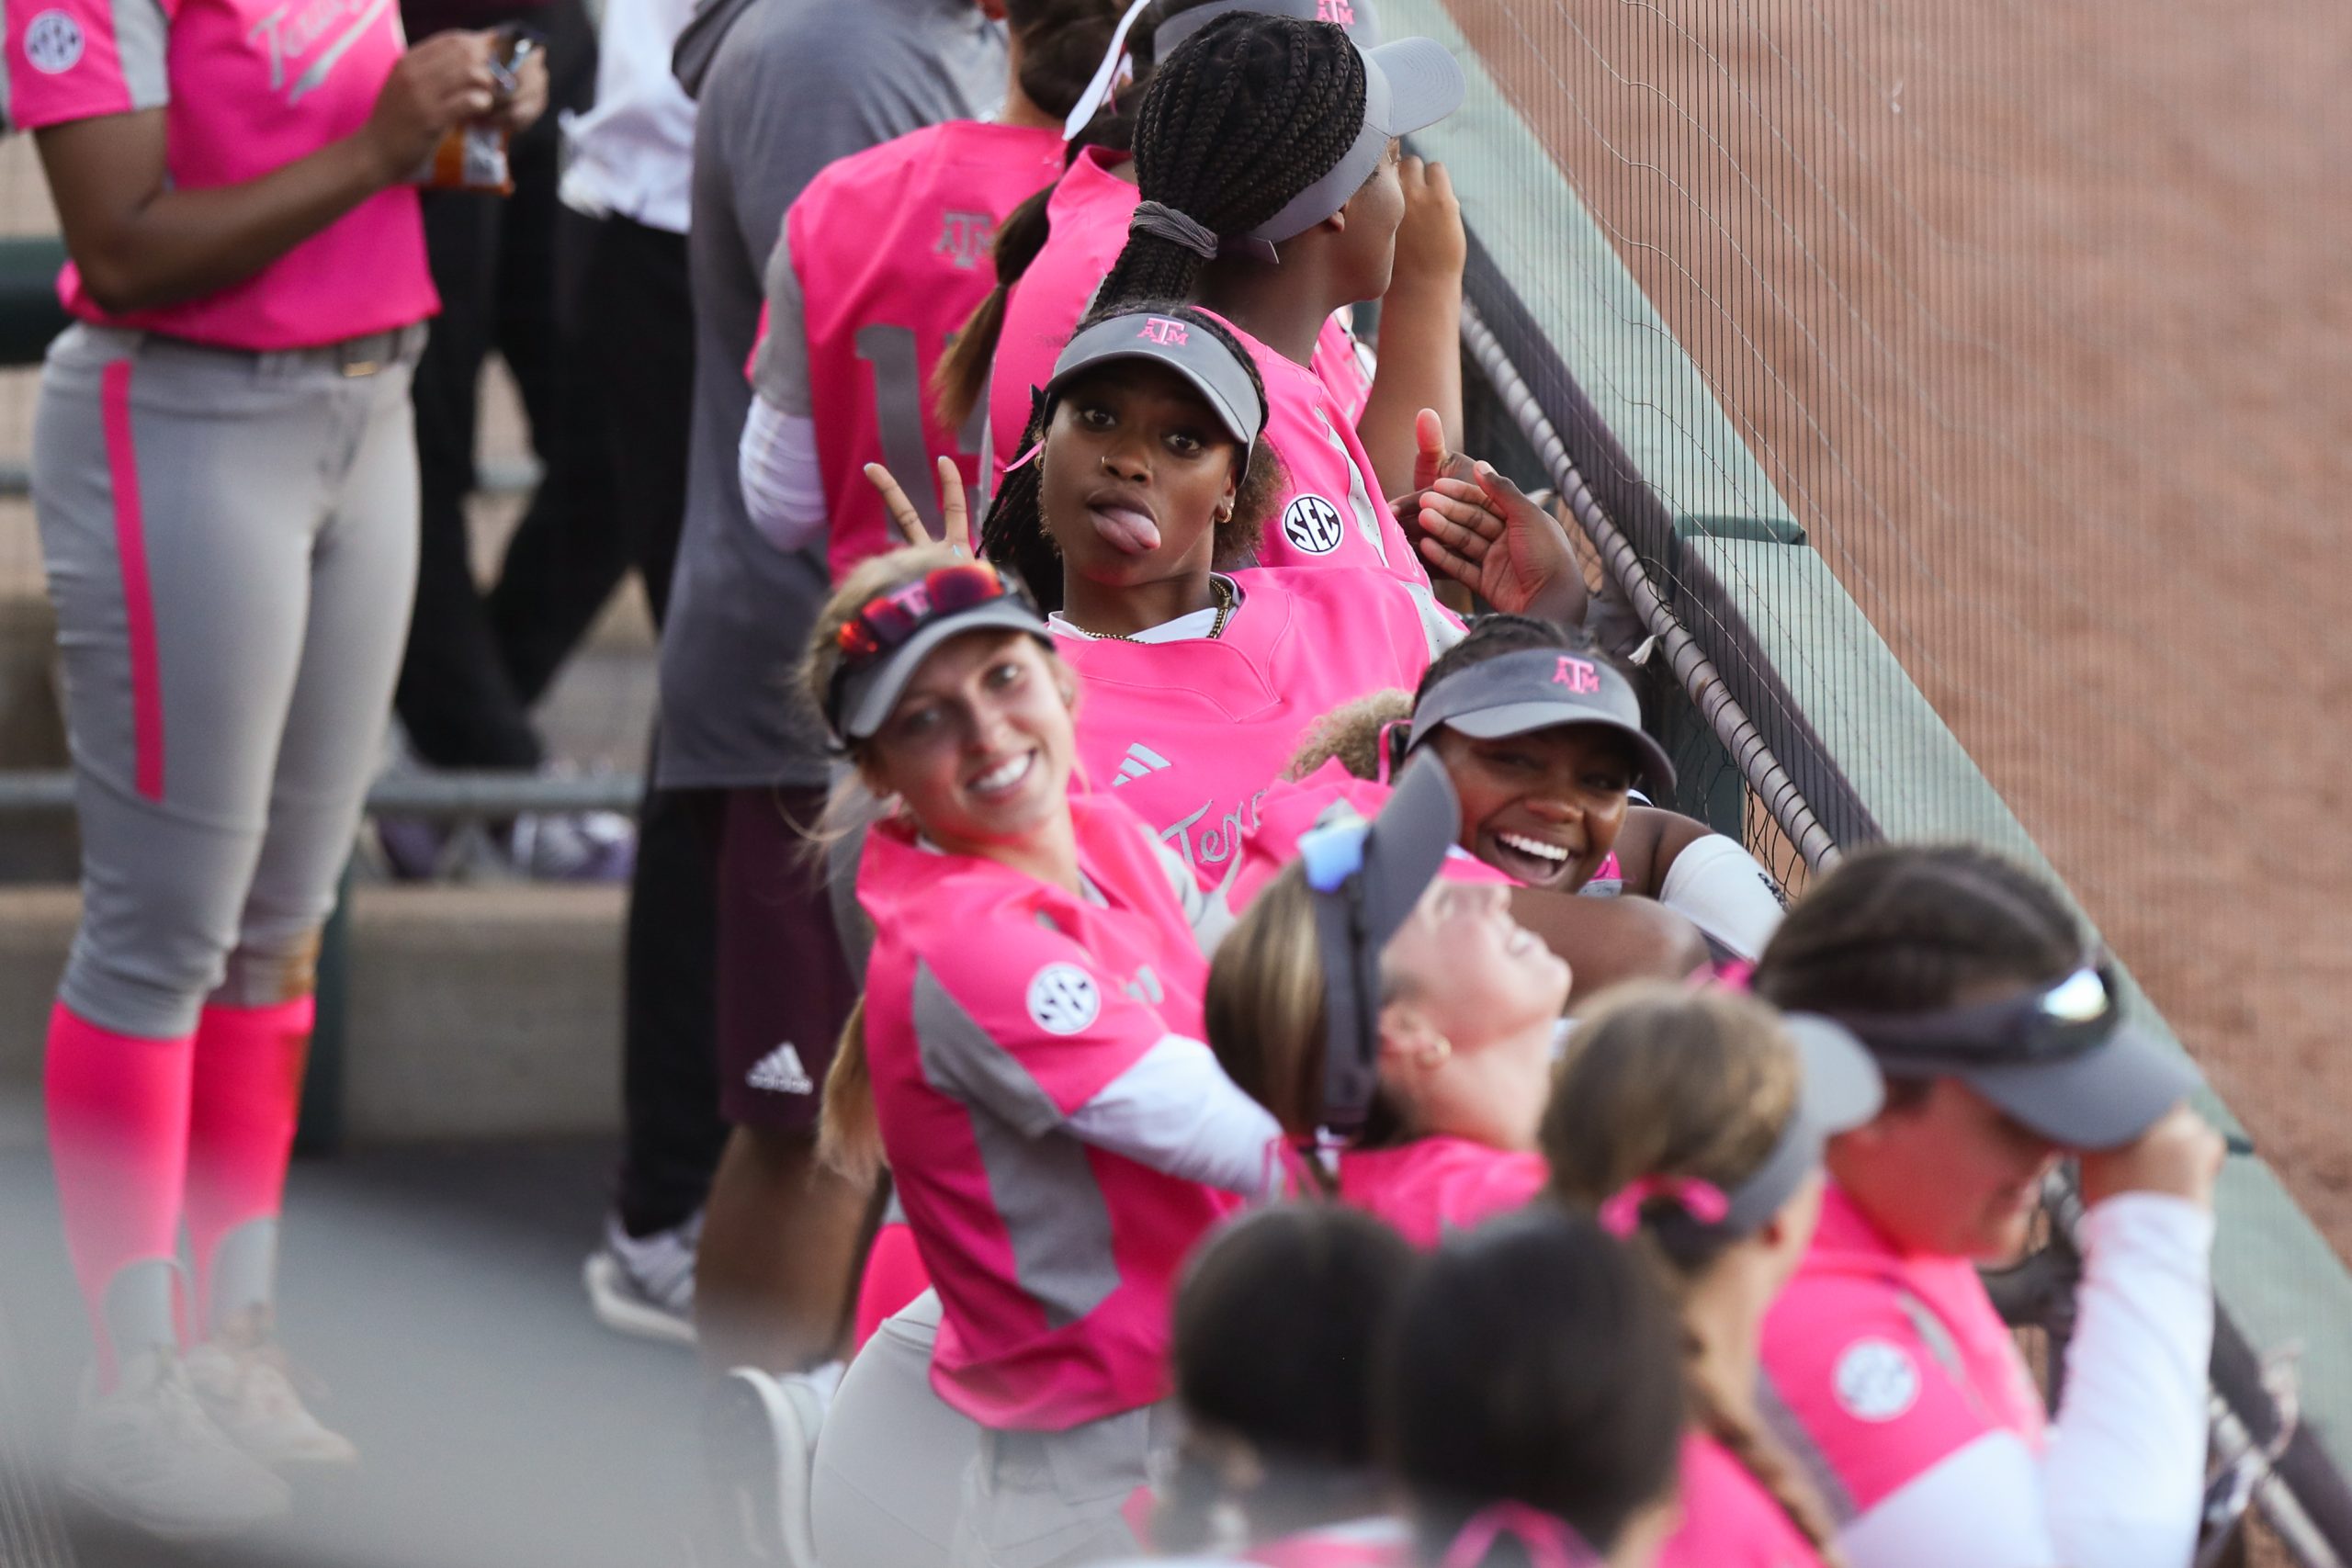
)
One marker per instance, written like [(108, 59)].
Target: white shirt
[(632, 155)]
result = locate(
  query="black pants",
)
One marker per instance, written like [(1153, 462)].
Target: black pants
[(642, 355), (508, 270)]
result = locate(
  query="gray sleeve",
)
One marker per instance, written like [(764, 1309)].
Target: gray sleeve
[(781, 371), (141, 40)]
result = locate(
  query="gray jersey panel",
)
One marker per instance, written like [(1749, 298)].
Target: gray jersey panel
[(797, 85)]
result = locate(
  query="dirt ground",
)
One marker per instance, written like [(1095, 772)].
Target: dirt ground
[(2038, 317)]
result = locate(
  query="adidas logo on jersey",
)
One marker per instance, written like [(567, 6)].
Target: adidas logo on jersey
[(780, 1072), (1141, 762)]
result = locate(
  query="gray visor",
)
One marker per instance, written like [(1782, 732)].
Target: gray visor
[(868, 695), (1366, 879), (1540, 689), (1190, 350), (1839, 1088), (2101, 1099), (1356, 16), (1408, 85)]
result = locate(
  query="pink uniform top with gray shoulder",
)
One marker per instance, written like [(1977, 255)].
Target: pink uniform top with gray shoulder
[(246, 87), (891, 251), (997, 1007)]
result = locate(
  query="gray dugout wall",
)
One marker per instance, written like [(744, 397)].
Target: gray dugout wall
[(1865, 749)]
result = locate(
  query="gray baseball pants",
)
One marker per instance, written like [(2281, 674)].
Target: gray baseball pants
[(229, 539)]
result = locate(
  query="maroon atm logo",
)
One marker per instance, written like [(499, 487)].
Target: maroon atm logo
[(1165, 332), (1577, 674), (965, 238)]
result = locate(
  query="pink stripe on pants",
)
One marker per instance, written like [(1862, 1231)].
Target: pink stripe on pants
[(138, 603)]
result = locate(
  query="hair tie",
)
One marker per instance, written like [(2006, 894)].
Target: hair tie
[(1705, 1202), (1164, 222), (1549, 1541)]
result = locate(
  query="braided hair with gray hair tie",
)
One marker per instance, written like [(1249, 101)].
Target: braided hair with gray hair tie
[(1178, 229)]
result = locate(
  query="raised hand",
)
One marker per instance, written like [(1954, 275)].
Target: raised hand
[(952, 509), (1486, 534)]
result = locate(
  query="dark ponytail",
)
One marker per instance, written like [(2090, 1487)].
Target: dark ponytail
[(1014, 534), (1245, 116), (1908, 928), (961, 378), (1277, 1320), (1534, 1362)]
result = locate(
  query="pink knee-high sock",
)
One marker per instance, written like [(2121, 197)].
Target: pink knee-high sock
[(248, 1086), (118, 1110)]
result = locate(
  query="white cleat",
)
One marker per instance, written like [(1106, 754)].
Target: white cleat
[(147, 1455), (249, 1395)]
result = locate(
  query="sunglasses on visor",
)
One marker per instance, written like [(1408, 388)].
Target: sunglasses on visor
[(2055, 1023)]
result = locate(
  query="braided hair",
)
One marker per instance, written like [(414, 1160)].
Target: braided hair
[(1014, 534), (1246, 115), (960, 380)]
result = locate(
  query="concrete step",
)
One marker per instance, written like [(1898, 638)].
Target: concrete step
[(473, 1011)]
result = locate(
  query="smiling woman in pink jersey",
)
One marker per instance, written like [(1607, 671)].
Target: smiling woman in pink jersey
[(882, 257), (1451, 1041), (224, 476), (2004, 1047), (1693, 1123), (1058, 1135)]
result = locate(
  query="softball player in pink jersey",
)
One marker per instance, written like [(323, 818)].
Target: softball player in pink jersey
[(1378, 998), (224, 476), (882, 258), (1058, 1136), (1693, 1123), (1149, 471), (2005, 1046)]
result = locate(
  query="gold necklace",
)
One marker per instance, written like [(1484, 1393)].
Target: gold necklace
[(1217, 586)]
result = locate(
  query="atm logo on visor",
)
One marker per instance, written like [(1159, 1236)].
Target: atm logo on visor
[(1167, 333), (1340, 11), (1577, 676)]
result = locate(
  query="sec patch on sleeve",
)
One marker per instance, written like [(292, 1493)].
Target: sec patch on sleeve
[(1876, 1380), (1063, 999), (54, 43)]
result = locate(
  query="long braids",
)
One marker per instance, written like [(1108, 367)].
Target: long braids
[(1243, 117), (1014, 533)]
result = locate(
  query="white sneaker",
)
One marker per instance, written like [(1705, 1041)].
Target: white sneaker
[(147, 1455), (645, 1285), (760, 1444), (248, 1395)]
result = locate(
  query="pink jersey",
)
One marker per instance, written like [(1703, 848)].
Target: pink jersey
[(1728, 1520), (996, 1006), (1088, 215), (891, 249), (1286, 810), (1331, 511), (1891, 1362), (248, 86), (1190, 734), (1433, 1186)]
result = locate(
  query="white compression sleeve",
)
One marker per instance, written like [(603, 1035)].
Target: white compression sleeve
[(1176, 1111), (1718, 886), (2124, 1475), (783, 488), (2121, 1481)]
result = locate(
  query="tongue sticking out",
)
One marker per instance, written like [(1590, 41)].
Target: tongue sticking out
[(1124, 528)]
